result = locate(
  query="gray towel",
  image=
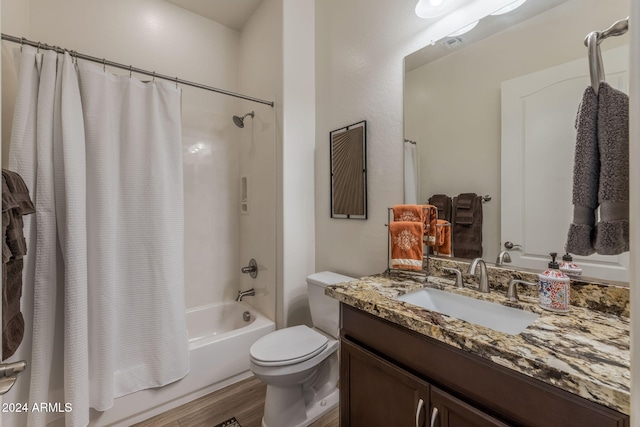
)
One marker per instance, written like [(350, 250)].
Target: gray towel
[(443, 203), (15, 203), (612, 231), (586, 171), (467, 226), (601, 174)]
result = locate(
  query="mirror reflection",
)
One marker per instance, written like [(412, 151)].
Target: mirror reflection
[(470, 99)]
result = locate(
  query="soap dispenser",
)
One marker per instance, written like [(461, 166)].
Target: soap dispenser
[(567, 266), (554, 288)]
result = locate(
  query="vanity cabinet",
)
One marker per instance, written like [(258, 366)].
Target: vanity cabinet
[(392, 376), (379, 393), (449, 411)]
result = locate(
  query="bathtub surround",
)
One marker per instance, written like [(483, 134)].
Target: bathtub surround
[(116, 183)]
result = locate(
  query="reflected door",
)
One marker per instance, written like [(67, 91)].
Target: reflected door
[(538, 142)]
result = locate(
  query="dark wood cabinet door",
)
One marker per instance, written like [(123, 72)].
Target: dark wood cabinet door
[(375, 393), (448, 411)]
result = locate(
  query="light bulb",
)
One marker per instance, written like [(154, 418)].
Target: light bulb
[(508, 8), (430, 8)]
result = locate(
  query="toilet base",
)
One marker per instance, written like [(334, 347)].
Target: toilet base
[(315, 410)]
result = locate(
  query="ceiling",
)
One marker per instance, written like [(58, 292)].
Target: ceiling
[(486, 28), (231, 13)]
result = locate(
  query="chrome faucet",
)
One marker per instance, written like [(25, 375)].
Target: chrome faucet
[(484, 282), (241, 294), (503, 257), (512, 290), (458, 274)]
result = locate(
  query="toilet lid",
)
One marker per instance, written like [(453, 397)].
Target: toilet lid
[(288, 346)]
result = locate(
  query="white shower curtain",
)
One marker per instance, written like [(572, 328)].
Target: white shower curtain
[(411, 183), (101, 155)]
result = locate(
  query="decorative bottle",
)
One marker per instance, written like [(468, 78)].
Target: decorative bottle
[(554, 287), (569, 267)]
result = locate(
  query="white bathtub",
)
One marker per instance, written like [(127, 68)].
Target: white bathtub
[(219, 342)]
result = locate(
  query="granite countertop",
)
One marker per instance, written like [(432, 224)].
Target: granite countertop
[(585, 352)]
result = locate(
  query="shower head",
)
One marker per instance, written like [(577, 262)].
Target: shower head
[(239, 121)]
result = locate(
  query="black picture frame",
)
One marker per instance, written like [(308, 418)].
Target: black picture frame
[(348, 160)]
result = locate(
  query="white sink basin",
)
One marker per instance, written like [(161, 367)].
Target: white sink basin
[(488, 314)]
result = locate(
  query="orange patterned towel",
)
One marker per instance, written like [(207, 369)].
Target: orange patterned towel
[(406, 245), (410, 213), (430, 215), (443, 238)]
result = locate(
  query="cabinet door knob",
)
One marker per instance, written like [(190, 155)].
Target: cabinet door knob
[(418, 410), (434, 416)]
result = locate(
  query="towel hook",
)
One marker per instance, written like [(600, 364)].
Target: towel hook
[(176, 82), (21, 43), (154, 77), (104, 65), (38, 51), (130, 71)]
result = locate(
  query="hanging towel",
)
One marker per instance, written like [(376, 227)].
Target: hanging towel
[(467, 226), (411, 213), (586, 172), (612, 230), (601, 174), (443, 238), (15, 203), (443, 204), (406, 245), (430, 215)]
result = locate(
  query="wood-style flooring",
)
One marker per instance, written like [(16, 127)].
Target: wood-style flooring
[(243, 400)]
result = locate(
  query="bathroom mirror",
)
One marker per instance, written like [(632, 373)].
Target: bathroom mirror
[(348, 154), (456, 112)]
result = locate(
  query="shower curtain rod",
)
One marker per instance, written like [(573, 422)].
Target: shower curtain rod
[(131, 69)]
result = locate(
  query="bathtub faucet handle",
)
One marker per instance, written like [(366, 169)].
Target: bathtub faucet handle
[(241, 294), (251, 269)]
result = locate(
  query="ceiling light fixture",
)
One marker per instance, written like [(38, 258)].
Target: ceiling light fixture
[(430, 8), (508, 8)]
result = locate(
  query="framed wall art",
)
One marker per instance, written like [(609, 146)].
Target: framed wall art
[(348, 152)]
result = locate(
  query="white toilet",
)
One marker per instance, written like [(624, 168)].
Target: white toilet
[(300, 364)]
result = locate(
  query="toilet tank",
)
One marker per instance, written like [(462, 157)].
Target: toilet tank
[(325, 311)]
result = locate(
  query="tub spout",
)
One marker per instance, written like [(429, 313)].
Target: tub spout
[(241, 294)]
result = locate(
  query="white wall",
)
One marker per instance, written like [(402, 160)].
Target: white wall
[(261, 76), (296, 217), (360, 47), (453, 109)]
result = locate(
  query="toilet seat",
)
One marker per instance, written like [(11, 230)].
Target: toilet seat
[(288, 346)]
